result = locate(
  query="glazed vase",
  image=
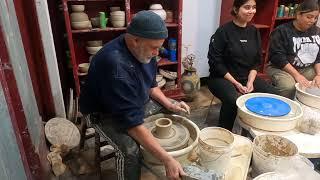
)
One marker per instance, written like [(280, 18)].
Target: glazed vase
[(190, 83)]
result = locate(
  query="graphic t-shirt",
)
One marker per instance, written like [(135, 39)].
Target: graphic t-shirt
[(288, 45)]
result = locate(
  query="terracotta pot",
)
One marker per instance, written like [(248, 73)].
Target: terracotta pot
[(190, 82)]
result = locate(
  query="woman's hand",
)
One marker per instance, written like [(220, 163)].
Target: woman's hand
[(240, 88), (179, 107), (302, 80), (250, 87), (316, 81)]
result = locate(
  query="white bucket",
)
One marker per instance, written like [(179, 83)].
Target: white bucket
[(215, 146), (271, 150), (270, 176)]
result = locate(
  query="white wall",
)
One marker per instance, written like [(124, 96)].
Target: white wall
[(200, 19)]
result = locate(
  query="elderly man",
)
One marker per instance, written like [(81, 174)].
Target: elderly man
[(120, 81)]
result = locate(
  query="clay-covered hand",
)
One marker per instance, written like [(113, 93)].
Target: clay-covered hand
[(249, 87), (173, 169), (240, 88), (316, 81), (179, 107), (302, 81)]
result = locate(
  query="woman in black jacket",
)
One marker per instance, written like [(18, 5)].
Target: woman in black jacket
[(234, 58)]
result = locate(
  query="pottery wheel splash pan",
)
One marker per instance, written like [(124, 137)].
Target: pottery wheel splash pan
[(269, 123), (267, 106), (308, 96)]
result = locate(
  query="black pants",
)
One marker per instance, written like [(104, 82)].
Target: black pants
[(228, 94), (128, 155)]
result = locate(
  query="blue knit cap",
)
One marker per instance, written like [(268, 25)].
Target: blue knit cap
[(148, 24)]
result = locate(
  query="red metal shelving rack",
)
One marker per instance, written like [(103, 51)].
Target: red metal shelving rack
[(77, 38)]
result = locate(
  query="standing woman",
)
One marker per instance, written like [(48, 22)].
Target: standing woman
[(234, 58), (294, 51)]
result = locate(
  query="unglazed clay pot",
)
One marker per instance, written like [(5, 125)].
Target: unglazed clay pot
[(176, 134), (78, 17), (157, 8)]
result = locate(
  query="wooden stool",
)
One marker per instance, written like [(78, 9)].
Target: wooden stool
[(98, 144)]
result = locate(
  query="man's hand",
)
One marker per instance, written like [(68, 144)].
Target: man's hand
[(179, 107), (240, 88), (250, 87), (302, 80), (173, 169), (316, 81)]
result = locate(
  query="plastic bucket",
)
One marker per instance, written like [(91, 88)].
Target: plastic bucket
[(215, 146), (269, 151)]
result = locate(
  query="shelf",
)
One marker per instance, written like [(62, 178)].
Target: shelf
[(112, 29), (261, 26), (284, 18), (165, 62), (90, 0), (171, 24), (99, 30)]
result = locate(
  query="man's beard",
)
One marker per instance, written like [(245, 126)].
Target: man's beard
[(144, 61), (141, 58)]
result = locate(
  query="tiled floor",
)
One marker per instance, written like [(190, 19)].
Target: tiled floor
[(200, 114)]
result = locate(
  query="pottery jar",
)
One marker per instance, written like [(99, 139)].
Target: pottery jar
[(157, 8), (190, 82)]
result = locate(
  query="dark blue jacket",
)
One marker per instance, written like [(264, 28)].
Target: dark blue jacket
[(118, 84)]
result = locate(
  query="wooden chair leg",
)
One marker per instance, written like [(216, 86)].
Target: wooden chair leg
[(83, 129), (97, 154), (209, 109)]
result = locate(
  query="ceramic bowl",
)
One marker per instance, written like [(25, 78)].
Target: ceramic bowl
[(118, 24), (169, 17), (161, 83), (117, 18), (168, 74), (114, 8), (83, 67), (94, 43), (77, 8), (119, 13), (81, 25), (159, 77), (78, 17), (93, 50), (162, 13), (155, 6), (95, 21)]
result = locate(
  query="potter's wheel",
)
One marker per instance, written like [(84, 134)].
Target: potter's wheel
[(171, 135), (279, 123), (308, 96)]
